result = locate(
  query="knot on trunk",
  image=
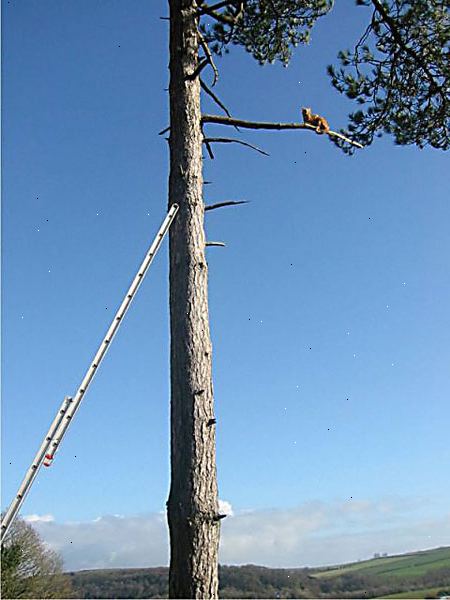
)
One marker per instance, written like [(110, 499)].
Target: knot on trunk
[(201, 517)]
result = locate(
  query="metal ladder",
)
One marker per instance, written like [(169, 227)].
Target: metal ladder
[(69, 406)]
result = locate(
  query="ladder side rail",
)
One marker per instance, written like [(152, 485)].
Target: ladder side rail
[(30, 475), (70, 405), (115, 324)]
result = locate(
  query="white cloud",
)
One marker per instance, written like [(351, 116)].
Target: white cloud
[(225, 508), (312, 534), (109, 541), (318, 534), (39, 518)]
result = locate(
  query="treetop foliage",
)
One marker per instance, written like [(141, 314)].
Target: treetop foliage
[(397, 72), (268, 29), (400, 70)]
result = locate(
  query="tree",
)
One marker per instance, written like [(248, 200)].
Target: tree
[(403, 83), (11, 587), (29, 569), (400, 69)]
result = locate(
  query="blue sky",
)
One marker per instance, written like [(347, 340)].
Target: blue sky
[(329, 305)]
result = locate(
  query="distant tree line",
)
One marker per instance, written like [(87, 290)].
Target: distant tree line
[(251, 581), (121, 583)]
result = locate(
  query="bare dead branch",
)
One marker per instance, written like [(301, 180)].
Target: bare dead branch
[(342, 137), (226, 203), (257, 125), (232, 140), (201, 65), (217, 6), (221, 18), (226, 19), (214, 97), (221, 120), (239, 11), (209, 57), (218, 517), (209, 149), (219, 244)]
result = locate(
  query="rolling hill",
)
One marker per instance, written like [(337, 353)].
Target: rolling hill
[(404, 565), (423, 574)]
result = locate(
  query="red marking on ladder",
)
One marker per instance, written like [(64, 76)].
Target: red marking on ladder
[(48, 459)]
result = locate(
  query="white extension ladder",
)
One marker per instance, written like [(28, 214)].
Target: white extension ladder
[(69, 406)]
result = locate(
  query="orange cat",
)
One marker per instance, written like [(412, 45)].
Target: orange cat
[(317, 121)]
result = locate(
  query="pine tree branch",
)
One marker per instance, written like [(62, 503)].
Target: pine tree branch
[(217, 6), (346, 139), (221, 18), (211, 11), (208, 57), (201, 65), (220, 120), (239, 11), (209, 149), (209, 140), (226, 203), (215, 98), (390, 22)]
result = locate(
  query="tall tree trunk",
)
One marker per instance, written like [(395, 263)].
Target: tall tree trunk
[(193, 504)]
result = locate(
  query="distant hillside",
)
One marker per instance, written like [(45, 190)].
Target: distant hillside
[(402, 565), (420, 574), (414, 575)]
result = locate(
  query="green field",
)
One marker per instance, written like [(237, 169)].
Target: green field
[(416, 595), (406, 565)]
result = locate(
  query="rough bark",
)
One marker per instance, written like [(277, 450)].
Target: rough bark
[(193, 502)]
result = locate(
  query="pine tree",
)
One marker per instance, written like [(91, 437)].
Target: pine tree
[(402, 79)]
